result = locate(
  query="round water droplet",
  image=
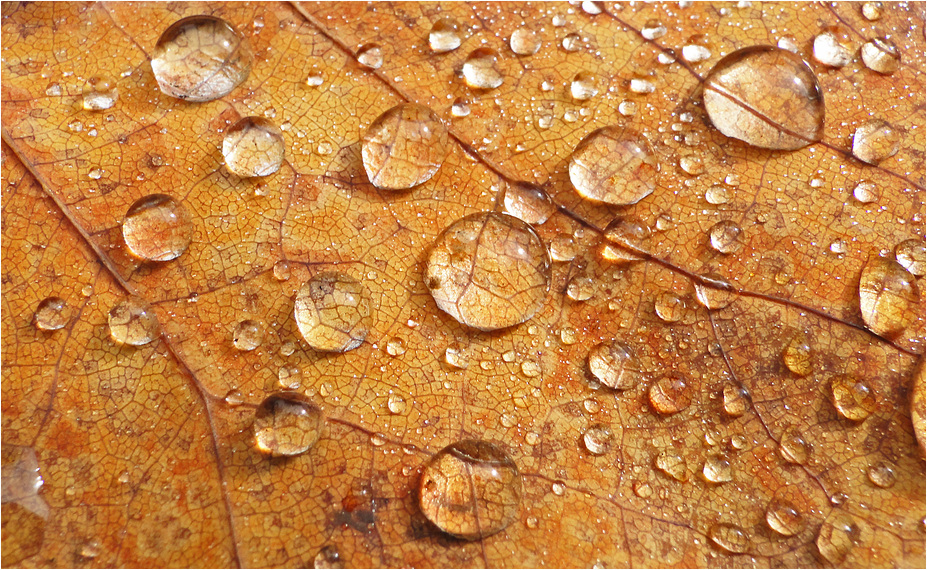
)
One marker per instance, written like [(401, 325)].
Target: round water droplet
[(572, 42), (882, 475), (479, 69), (444, 36), (725, 236), (730, 538), (528, 202), (874, 141), (328, 558), (793, 447), (583, 86), (714, 292), (396, 404), (797, 355), (460, 108), (670, 307), (289, 377), (853, 399), (157, 228), (247, 335), (695, 53), (830, 50), (783, 518), (672, 464), (99, 94), (643, 489), (736, 400), (866, 192), (598, 439), (670, 394), (524, 42), (615, 165), (315, 78), (51, 314), (253, 146), (489, 271), (628, 239), (200, 58), (332, 311), (717, 469), (470, 489), (563, 248), (610, 363), (581, 288), (767, 97), (370, 55), (837, 536), (871, 10), (691, 165), (910, 254), (404, 147), (287, 423), (881, 56), (718, 194), (653, 29), (133, 322), (281, 270), (395, 347), (887, 296)]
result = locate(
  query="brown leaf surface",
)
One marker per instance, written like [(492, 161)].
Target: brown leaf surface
[(142, 460)]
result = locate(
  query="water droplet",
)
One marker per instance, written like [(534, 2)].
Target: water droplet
[(460, 108), (581, 288), (643, 489), (782, 517), (247, 335), (838, 247), (866, 192), (615, 165), (887, 296), (736, 400), (670, 394), (692, 165), (289, 377), (99, 94), (853, 399), (332, 311), (563, 248), (456, 358), (51, 314), (370, 55), (882, 475), (524, 42), (489, 271), (396, 404), (90, 550), (315, 78), (95, 174), (395, 347), (610, 364), (568, 336), (641, 86), (234, 398), (443, 36), (653, 29), (725, 236), (470, 489), (157, 228), (287, 423), (672, 464), (797, 355), (328, 558), (479, 69), (404, 147), (583, 86), (626, 236), (767, 97), (717, 469), (133, 322), (591, 7), (200, 58), (281, 270), (837, 536), (874, 141), (558, 488), (572, 42), (718, 194), (910, 254), (872, 11), (253, 147), (670, 307), (531, 369), (53, 90), (694, 53), (793, 447), (730, 538), (829, 50), (881, 56), (714, 292), (627, 108), (598, 439), (528, 202)]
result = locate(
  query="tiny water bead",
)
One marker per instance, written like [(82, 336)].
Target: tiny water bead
[(729, 537), (157, 228), (583, 87), (797, 355), (598, 439), (248, 335), (793, 447), (51, 314), (887, 296), (471, 489), (332, 312), (874, 141), (133, 322), (837, 536), (370, 55), (404, 147), (524, 42), (253, 146), (852, 398), (882, 475), (767, 97), (287, 423), (444, 36), (783, 518), (670, 394), (479, 69), (910, 254), (489, 271), (830, 50), (881, 56), (200, 58), (615, 165), (611, 364), (529, 203), (725, 237), (100, 94)]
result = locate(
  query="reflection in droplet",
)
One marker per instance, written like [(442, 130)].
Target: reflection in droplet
[(443, 36), (525, 42), (670, 307), (767, 97), (615, 165), (51, 314), (479, 69), (736, 400), (866, 192), (328, 557), (99, 94), (528, 202), (875, 140), (133, 322), (395, 347), (730, 538), (852, 398), (253, 147), (581, 288), (332, 311), (248, 335), (670, 394), (489, 271), (404, 147), (887, 296), (572, 42), (672, 464), (797, 355), (200, 58), (583, 87), (837, 536), (783, 518), (694, 53), (717, 469), (396, 404), (610, 363), (882, 475), (881, 56), (829, 50), (287, 423), (626, 236), (910, 254), (157, 228), (718, 194), (470, 489), (597, 439), (370, 55), (714, 292), (793, 447), (725, 236)]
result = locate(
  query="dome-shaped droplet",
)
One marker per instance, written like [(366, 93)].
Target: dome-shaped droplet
[(456, 358), (653, 29), (793, 447), (887, 296), (767, 97), (782, 517), (672, 464), (396, 404), (583, 87), (328, 557), (563, 248), (287, 423), (460, 108), (837, 536), (615, 165), (572, 42), (581, 288), (200, 58), (730, 538), (670, 394), (694, 53), (479, 69), (874, 141), (725, 236), (444, 36), (395, 347), (910, 254), (525, 42), (670, 307), (918, 404), (718, 194), (528, 203), (100, 93), (714, 292), (332, 312), (881, 56), (248, 335), (871, 10), (628, 239), (830, 50), (133, 322), (597, 439), (797, 355), (51, 314), (882, 475), (866, 192), (489, 271), (157, 228), (611, 364), (717, 469), (253, 146), (852, 398), (404, 147), (735, 399), (470, 489), (370, 55)]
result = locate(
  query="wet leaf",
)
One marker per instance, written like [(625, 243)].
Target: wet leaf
[(713, 452)]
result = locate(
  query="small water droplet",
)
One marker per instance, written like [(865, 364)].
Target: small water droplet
[(157, 228), (627, 108), (528, 202), (289, 377), (558, 488), (395, 347), (691, 165), (783, 518), (51, 314), (641, 86), (717, 469), (247, 335), (288, 348), (95, 173), (370, 55), (882, 475), (591, 7), (718, 194), (315, 78), (726, 237), (133, 322), (736, 400), (910, 254), (874, 141), (793, 447), (872, 11), (729, 537), (404, 147), (670, 394), (670, 307), (581, 288), (287, 423), (568, 336), (643, 489), (583, 86), (531, 369), (332, 311), (598, 439), (672, 464), (866, 192), (694, 53), (838, 247), (837, 536), (479, 69), (281, 270), (460, 108), (852, 398), (328, 558), (456, 358), (881, 56), (444, 36), (99, 94), (253, 147), (234, 398), (90, 549), (572, 42), (53, 90), (524, 42), (887, 296), (797, 355), (615, 165), (830, 50), (714, 292), (653, 30)]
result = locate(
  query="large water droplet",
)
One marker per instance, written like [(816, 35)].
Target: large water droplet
[(370, 56), (610, 363), (767, 97), (730, 538), (672, 464), (133, 322), (670, 394), (471, 489), (837, 536), (528, 203), (598, 439), (910, 254), (736, 400), (797, 355), (793, 447), (332, 311), (51, 314), (881, 56), (882, 475), (489, 271), (200, 58), (887, 296), (830, 50), (583, 86), (100, 93), (157, 228), (725, 236), (248, 335), (615, 165), (783, 518), (874, 141), (853, 399), (404, 147), (443, 36), (717, 469), (287, 423), (525, 42), (253, 147), (479, 69)]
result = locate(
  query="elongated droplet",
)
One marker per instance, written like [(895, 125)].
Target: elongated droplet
[(253, 146), (479, 69), (837, 537), (793, 447), (767, 97), (287, 423), (100, 93), (782, 517), (881, 56), (628, 239), (200, 58), (852, 398), (612, 365), (489, 271), (51, 314), (370, 56), (248, 335), (597, 439), (157, 228), (528, 202), (615, 165), (524, 42), (670, 394), (797, 355), (887, 296), (830, 50), (404, 147), (444, 36), (714, 291), (133, 322), (332, 312), (875, 140), (672, 464), (729, 537), (471, 489)]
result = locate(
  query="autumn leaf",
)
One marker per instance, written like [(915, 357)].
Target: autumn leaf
[(723, 371)]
